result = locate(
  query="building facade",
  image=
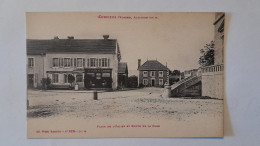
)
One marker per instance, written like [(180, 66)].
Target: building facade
[(152, 73), (92, 62), (213, 76)]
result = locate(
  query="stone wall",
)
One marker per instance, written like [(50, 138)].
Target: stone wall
[(213, 84)]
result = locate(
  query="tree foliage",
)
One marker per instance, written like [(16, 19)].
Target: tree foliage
[(207, 54), (175, 73), (132, 81), (46, 83)]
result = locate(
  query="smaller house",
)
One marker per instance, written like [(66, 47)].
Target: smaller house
[(152, 73), (122, 74)]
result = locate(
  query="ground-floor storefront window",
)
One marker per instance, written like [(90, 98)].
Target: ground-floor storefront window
[(98, 78)]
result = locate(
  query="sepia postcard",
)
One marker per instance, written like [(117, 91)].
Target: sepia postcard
[(124, 74)]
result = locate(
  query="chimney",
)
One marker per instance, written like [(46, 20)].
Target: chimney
[(105, 37), (70, 37), (139, 63)]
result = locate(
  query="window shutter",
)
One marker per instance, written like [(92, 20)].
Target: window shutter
[(52, 62), (88, 62), (75, 62), (52, 77), (83, 62), (60, 62), (71, 62), (32, 62), (108, 62), (96, 61)]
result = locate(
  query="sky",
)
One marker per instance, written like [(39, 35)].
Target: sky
[(175, 38)]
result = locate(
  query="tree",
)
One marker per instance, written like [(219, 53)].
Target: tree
[(71, 79), (207, 57), (176, 73), (46, 83), (132, 81)]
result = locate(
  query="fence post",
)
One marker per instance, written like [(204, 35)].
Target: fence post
[(95, 95)]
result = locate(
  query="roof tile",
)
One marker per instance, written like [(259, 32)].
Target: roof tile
[(37, 47), (152, 65)]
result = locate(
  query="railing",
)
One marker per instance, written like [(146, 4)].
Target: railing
[(213, 68), (185, 84), (183, 81)]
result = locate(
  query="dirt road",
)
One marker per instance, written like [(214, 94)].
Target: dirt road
[(143, 103)]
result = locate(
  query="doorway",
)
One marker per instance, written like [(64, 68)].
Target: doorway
[(30, 79), (153, 82)]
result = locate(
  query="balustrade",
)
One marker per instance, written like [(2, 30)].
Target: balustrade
[(215, 68)]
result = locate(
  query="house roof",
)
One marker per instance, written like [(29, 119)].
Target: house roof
[(219, 18), (122, 68), (100, 46), (152, 65)]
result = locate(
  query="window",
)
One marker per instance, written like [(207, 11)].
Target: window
[(55, 78), (79, 62), (30, 62), (105, 74), (152, 73), (66, 78), (55, 62), (79, 78), (67, 62), (92, 62), (98, 76), (160, 81), (160, 73), (145, 81), (91, 74), (145, 73), (104, 62)]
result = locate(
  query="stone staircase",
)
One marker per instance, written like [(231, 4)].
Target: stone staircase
[(187, 87)]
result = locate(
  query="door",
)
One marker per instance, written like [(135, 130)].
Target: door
[(153, 82), (30, 79)]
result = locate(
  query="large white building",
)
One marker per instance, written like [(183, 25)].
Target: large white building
[(93, 62)]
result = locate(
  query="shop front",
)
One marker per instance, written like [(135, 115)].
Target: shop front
[(98, 78)]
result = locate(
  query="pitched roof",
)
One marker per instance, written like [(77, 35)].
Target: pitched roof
[(152, 65), (101, 46), (122, 67)]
